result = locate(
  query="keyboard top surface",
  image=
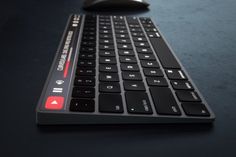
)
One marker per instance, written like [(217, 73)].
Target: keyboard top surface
[(117, 69)]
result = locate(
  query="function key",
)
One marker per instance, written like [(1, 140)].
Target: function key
[(110, 103), (82, 105), (175, 74), (138, 103)]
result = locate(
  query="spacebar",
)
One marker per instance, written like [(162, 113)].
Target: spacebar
[(164, 101), (164, 54)]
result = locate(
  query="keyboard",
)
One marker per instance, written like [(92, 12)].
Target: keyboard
[(118, 70)]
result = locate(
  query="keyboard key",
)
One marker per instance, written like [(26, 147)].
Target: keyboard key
[(112, 77), (134, 85), (85, 72), (109, 87), (187, 96), (82, 105), (122, 36), (125, 46), (84, 81), (105, 36), (164, 54), (153, 72), (123, 41), (137, 34), (106, 47), (86, 63), (107, 60), (87, 50), (157, 81), (134, 76), (149, 64), (138, 103), (132, 20), (195, 109), (127, 59), (108, 68), (107, 53), (144, 50), (179, 84), (146, 56), (139, 39), (164, 101), (126, 52), (106, 41), (83, 92), (142, 44), (175, 74), (87, 56), (110, 103), (129, 67)]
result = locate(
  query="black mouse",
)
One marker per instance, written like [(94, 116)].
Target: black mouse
[(114, 4)]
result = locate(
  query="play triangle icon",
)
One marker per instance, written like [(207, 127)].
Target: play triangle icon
[(54, 102)]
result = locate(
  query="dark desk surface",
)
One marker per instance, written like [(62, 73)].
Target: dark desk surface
[(203, 35)]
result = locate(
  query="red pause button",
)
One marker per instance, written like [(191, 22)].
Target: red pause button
[(54, 102)]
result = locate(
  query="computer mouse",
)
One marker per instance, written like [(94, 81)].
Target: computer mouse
[(114, 4)]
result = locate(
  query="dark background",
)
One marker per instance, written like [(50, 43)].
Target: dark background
[(203, 36)]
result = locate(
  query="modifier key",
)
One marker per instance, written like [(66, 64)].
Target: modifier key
[(164, 101), (82, 105), (138, 103), (110, 103)]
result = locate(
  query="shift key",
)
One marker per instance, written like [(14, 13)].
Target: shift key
[(164, 101)]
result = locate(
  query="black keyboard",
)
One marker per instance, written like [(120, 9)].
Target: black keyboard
[(115, 70)]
